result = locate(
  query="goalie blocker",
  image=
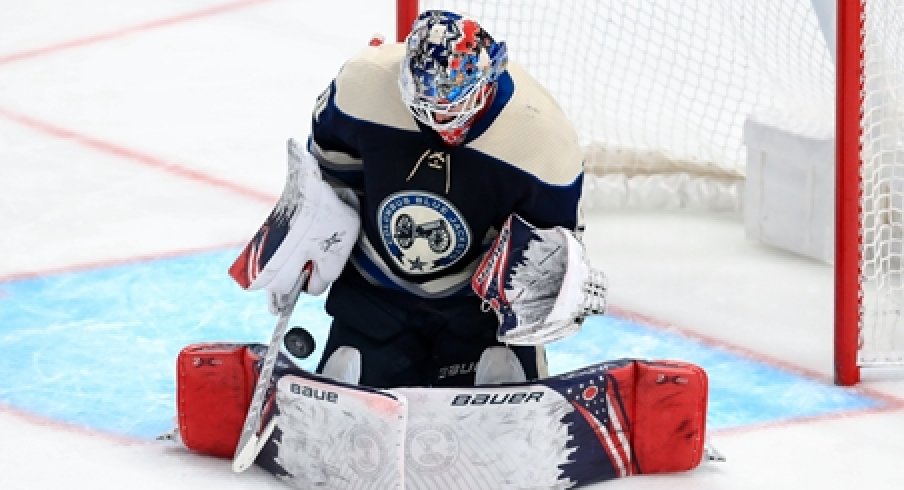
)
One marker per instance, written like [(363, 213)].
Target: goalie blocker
[(608, 420)]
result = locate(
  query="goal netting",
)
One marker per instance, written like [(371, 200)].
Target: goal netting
[(660, 91), (881, 336)]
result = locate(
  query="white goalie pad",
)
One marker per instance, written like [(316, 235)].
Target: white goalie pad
[(337, 436), (310, 227), (498, 365), (539, 283), (604, 421), (608, 420), (344, 365), (334, 436)]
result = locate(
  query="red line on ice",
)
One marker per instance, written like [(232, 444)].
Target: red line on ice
[(134, 156), (125, 31)]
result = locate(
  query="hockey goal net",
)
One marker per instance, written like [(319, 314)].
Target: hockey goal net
[(660, 93)]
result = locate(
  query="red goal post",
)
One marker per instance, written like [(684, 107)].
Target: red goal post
[(848, 100), (704, 92)]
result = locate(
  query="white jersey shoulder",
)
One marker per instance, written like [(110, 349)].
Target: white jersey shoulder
[(367, 87), (533, 134)]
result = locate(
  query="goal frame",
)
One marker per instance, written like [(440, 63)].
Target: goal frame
[(848, 111)]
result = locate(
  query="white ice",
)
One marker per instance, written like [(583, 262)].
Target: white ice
[(125, 137)]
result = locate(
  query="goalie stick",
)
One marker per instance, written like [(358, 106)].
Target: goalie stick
[(250, 442)]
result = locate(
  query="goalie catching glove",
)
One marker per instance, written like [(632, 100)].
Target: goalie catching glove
[(539, 283), (310, 228)]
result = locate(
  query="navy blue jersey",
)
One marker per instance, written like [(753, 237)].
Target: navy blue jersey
[(429, 210)]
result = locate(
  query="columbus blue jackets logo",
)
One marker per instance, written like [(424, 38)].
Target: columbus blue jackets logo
[(423, 232)]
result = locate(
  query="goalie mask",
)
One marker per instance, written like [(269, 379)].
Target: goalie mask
[(449, 72), (539, 283)]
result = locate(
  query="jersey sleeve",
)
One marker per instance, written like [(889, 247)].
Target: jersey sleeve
[(332, 142), (359, 98), (548, 205)]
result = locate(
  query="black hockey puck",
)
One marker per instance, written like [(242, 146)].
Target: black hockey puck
[(299, 342)]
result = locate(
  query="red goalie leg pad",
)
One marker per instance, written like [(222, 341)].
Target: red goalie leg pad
[(670, 401), (215, 383)]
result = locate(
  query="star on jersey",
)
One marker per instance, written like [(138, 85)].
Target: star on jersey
[(417, 264)]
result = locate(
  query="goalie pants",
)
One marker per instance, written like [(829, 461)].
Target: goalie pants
[(405, 340)]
